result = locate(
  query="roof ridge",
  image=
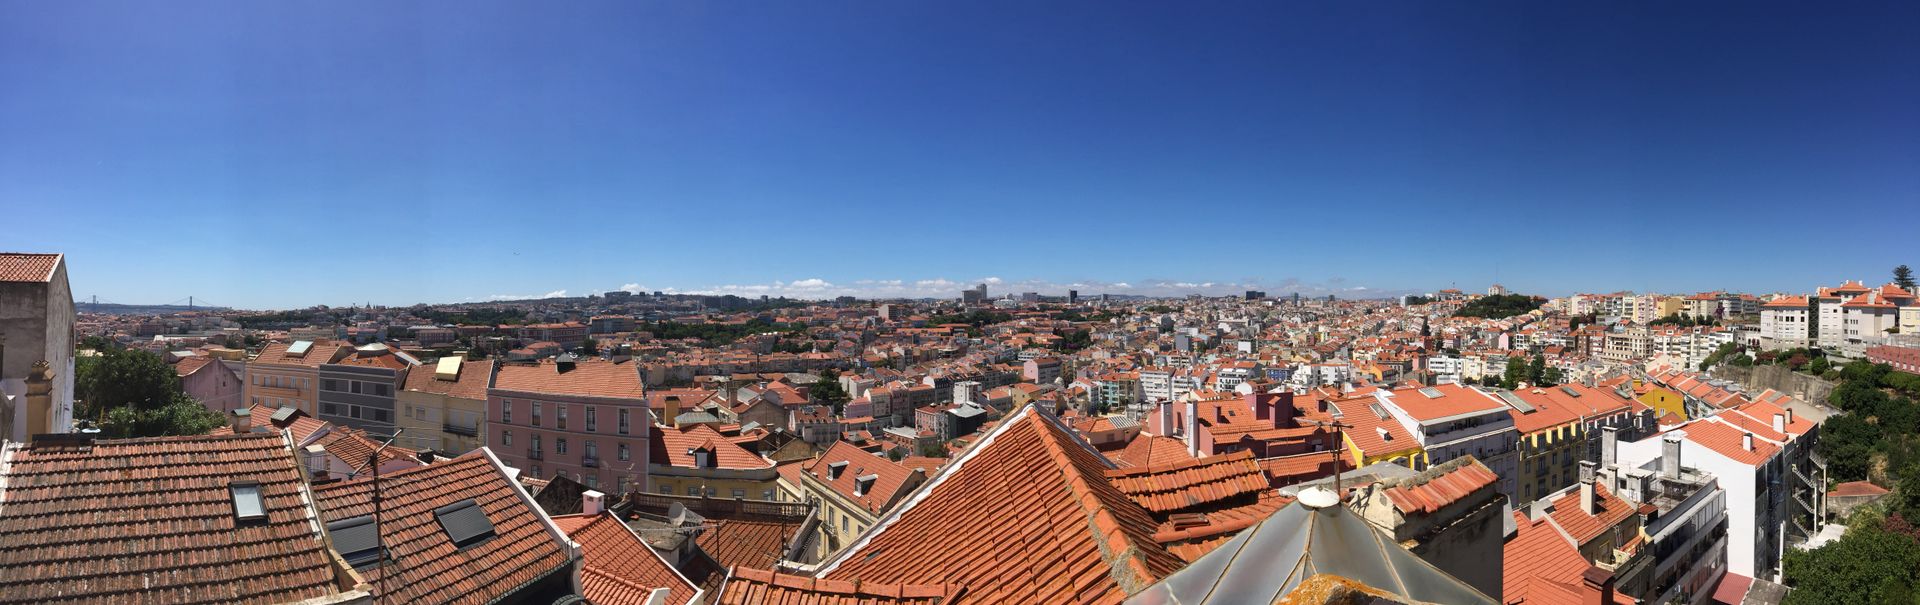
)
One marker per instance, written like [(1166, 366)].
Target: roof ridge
[(1123, 552)]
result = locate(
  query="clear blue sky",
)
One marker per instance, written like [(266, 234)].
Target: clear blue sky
[(273, 154)]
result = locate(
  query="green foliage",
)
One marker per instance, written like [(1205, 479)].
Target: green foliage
[(182, 415), (1684, 320), (122, 377), (1156, 309), (1073, 341), (294, 318), (715, 333), (1552, 377), (1742, 361), (590, 347), (1874, 422), (1516, 372), (828, 390), (1717, 355), (1499, 306), (1870, 564), (1536, 369), (1903, 277), (976, 318)]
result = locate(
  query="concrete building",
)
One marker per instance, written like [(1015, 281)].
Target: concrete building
[(584, 419), (214, 382), (1042, 370), (358, 390), (1450, 421), (36, 340), (1787, 322), (1686, 529)]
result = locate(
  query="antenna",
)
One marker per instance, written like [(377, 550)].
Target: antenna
[(373, 459), (1339, 434)]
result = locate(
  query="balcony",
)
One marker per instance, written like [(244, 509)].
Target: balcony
[(464, 431), (536, 455), (590, 462)]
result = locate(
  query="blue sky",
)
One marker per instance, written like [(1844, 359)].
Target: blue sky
[(275, 154)]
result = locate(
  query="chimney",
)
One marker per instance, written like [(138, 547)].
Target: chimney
[(1589, 502), (242, 421), (1746, 441), (316, 460), (591, 503), (1780, 423), (673, 411), (40, 400), (1670, 457), (1538, 509), (1166, 419), (1609, 444), (1598, 587), (1789, 414), (1193, 416)]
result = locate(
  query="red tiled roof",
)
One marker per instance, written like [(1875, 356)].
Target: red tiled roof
[(759, 587), (748, 540), (1728, 441), (588, 378), (186, 367), (428, 567), (1023, 517), (1436, 492), (675, 446), (1584, 526), (1536, 558), (471, 384), (1454, 400), (616, 568), (1149, 450), (1857, 488), (1288, 470), (152, 520), (320, 352), (890, 483), (1172, 487), (27, 267), (353, 447), (1553, 407)]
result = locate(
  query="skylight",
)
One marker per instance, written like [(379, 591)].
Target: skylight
[(247, 503), (1569, 391), (356, 540), (1515, 401), (299, 348), (1431, 393), (465, 523)]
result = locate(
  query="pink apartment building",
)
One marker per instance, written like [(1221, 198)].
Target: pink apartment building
[(586, 420)]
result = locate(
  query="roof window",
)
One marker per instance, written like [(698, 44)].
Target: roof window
[(356, 540), (248, 506), (465, 523)]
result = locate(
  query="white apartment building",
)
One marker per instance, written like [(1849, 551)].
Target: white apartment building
[(1786, 322), (1450, 421)]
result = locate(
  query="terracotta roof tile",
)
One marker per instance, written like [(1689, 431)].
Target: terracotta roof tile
[(471, 383), (675, 446), (428, 567), (153, 521), (1726, 440), (617, 568), (588, 378), (890, 480), (318, 353), (1024, 516), (1430, 494), (27, 267), (1182, 485), (1149, 450), (1537, 555), (759, 587)]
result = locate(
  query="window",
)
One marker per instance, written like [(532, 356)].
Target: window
[(248, 506), (382, 416), (536, 442), (330, 384), (711, 492), (693, 490), (354, 386), (506, 411), (560, 415), (591, 421), (592, 451), (382, 390), (739, 494), (766, 494), (560, 445), (623, 421), (536, 413), (330, 409), (506, 438), (355, 540), (593, 482), (623, 452), (666, 489)]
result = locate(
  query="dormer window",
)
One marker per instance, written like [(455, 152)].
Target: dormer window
[(248, 506), (702, 458), (835, 468), (864, 484)]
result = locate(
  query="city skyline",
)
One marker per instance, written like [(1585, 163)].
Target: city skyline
[(403, 154)]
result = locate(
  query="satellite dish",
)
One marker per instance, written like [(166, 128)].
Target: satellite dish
[(676, 514)]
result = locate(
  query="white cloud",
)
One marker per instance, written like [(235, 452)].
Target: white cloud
[(815, 288), (554, 294), (632, 288)]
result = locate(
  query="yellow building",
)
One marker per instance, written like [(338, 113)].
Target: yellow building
[(699, 461), (1664, 401), (445, 409)]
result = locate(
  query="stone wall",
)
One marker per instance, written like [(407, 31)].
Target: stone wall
[(1762, 377)]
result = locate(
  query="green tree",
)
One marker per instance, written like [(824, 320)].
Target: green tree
[(1516, 372), (828, 390), (1551, 377), (122, 377), (1867, 565), (1903, 277), (591, 347), (1537, 369)]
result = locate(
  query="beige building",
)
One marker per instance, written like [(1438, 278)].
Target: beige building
[(699, 461), (445, 409), (287, 374), (854, 488)]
